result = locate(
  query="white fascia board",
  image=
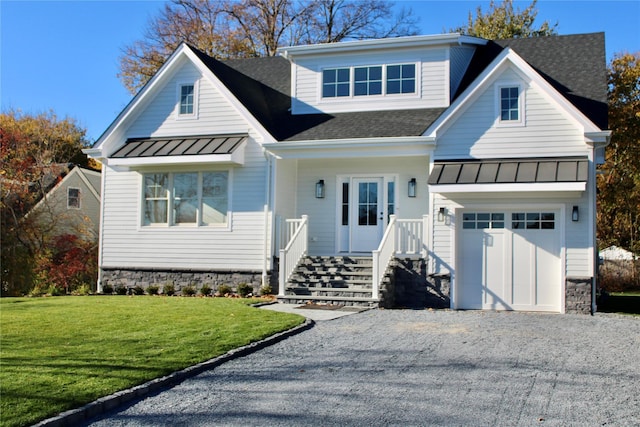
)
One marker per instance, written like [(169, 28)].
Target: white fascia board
[(144, 93), (512, 187), (156, 83), (489, 74), (392, 42), (93, 153), (355, 147)]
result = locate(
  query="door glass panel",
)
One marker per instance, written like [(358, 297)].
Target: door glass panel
[(367, 203), (345, 203), (390, 199)]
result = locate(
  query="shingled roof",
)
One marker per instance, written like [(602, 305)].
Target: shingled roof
[(574, 65)]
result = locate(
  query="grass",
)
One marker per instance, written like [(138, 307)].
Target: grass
[(60, 353), (621, 302)]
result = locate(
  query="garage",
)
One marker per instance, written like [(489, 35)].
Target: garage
[(509, 260)]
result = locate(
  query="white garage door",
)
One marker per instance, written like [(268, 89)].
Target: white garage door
[(509, 260)]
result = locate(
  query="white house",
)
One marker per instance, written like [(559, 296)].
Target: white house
[(440, 170)]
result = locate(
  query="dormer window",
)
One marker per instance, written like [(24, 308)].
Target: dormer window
[(335, 82), (372, 80), (367, 81), (401, 78), (187, 100)]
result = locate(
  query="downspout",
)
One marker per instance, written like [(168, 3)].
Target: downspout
[(267, 231)]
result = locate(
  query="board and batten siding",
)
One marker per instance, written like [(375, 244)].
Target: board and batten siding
[(323, 212), (431, 68), (547, 131), (128, 244), (215, 113)]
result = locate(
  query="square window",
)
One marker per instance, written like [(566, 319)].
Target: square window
[(401, 78), (367, 81), (335, 82)]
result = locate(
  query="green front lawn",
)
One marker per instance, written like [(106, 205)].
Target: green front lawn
[(60, 353)]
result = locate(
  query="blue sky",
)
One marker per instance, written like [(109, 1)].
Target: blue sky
[(63, 55)]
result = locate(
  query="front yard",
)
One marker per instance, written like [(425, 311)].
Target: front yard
[(60, 353)]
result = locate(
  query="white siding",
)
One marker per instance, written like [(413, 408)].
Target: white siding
[(323, 212), (547, 132), (128, 245), (431, 70), (578, 252), (215, 113)]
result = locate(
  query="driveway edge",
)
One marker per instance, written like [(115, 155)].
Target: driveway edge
[(107, 403)]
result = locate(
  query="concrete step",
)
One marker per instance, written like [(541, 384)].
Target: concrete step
[(303, 299)]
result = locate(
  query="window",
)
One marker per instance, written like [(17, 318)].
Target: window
[(391, 197), (197, 198), (187, 99), (335, 82), (73, 198), (509, 104), (345, 203), (368, 203), (367, 81), (401, 78), (533, 221), (478, 221)]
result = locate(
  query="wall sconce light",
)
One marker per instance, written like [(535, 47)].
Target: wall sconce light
[(320, 189), (442, 212), (412, 188), (575, 214)]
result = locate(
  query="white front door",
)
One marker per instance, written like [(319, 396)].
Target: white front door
[(367, 214)]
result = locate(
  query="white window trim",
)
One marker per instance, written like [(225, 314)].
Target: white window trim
[(521, 103), (79, 198), (171, 224), (356, 98), (196, 96)]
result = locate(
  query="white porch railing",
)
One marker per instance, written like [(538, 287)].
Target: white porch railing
[(296, 236), (403, 237)]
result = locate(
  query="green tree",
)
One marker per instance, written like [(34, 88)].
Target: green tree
[(34, 151), (248, 28), (619, 184), (503, 22)]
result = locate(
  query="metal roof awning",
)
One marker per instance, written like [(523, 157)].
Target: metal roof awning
[(181, 150), (551, 174)]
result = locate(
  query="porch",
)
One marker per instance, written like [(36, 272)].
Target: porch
[(362, 279)]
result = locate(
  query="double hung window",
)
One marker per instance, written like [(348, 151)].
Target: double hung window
[(73, 198), (186, 198)]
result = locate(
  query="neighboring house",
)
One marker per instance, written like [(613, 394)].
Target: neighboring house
[(614, 253), (72, 206), (447, 169)]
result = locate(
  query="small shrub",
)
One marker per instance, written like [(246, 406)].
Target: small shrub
[(266, 290), (153, 290), (121, 290), (55, 291), (244, 290), (137, 290), (83, 289), (224, 290), (107, 289), (189, 291), (168, 289), (205, 290)]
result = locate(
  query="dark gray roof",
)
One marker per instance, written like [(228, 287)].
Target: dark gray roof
[(509, 171), (574, 65), (193, 145)]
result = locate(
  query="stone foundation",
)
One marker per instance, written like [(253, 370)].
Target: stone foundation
[(578, 295), (130, 278), (410, 286)]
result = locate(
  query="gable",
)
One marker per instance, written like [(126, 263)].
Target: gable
[(476, 132), (160, 116)]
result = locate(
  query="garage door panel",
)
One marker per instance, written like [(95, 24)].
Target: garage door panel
[(513, 267)]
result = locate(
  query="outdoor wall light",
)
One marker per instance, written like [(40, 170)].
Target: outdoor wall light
[(412, 187), (575, 214), (320, 189), (442, 212)]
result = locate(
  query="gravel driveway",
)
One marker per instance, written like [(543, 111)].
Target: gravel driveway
[(404, 367)]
